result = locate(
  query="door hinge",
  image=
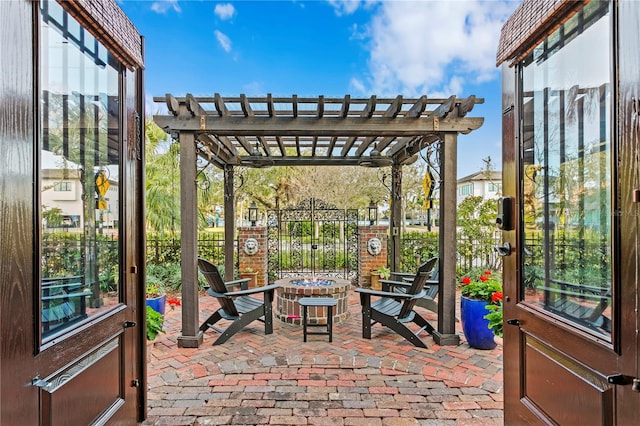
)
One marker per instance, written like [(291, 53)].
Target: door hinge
[(128, 324), (38, 382), (513, 322), (135, 383)]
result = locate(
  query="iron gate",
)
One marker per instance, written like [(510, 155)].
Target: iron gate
[(313, 238)]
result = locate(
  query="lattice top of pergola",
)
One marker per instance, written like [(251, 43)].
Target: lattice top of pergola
[(279, 131)]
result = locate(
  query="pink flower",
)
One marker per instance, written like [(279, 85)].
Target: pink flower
[(466, 280)]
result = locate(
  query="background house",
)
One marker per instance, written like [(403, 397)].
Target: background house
[(487, 185)]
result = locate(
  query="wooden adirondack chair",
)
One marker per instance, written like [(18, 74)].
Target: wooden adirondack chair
[(571, 301), (431, 287), (396, 309), (236, 306)]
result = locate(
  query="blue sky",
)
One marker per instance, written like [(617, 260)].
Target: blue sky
[(331, 48)]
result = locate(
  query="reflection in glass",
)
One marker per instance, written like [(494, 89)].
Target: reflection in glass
[(566, 85), (79, 173)]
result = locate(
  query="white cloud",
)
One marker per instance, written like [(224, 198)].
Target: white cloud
[(345, 7), (224, 11), (224, 40), (432, 47), (254, 88), (356, 86), (162, 6)]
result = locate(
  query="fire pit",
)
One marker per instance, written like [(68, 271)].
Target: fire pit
[(291, 290)]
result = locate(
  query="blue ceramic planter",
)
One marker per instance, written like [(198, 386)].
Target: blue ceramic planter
[(158, 304), (474, 325)]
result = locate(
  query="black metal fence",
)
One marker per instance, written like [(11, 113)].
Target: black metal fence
[(414, 248), (70, 253), (166, 249)]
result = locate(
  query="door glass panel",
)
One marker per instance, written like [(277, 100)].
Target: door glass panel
[(79, 174), (566, 185)]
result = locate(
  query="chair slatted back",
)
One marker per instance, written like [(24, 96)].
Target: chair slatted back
[(419, 281), (215, 281), (432, 290)]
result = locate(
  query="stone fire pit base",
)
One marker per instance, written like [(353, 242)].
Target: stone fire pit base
[(288, 309)]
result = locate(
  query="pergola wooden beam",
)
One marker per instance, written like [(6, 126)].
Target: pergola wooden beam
[(328, 126)]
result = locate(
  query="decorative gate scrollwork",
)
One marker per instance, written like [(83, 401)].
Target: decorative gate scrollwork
[(313, 238)]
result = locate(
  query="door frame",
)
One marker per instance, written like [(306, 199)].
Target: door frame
[(529, 331), (36, 377)]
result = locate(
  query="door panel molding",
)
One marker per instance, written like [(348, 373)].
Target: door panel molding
[(560, 387), (101, 372)]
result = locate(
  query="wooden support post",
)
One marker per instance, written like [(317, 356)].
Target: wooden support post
[(229, 222), (396, 216), (446, 333), (191, 335)]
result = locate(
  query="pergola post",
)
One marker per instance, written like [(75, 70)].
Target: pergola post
[(396, 216), (191, 335), (229, 221), (446, 332)]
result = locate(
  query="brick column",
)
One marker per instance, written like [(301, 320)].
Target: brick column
[(368, 262), (257, 262)]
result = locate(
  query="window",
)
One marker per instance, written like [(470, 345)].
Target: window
[(495, 187), (566, 185), (80, 150), (62, 186), (466, 189)]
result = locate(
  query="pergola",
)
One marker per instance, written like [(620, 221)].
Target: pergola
[(296, 131)]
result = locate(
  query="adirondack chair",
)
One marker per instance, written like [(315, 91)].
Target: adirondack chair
[(394, 309), (236, 306), (431, 287), (569, 300)]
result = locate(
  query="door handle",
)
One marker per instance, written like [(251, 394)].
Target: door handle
[(621, 379), (504, 250), (128, 324), (514, 322)]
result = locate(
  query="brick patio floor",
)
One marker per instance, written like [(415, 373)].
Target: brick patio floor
[(277, 379)]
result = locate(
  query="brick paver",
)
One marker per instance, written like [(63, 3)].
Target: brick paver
[(277, 379)]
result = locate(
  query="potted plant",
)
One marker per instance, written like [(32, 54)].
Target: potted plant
[(156, 296), (477, 296), (155, 320), (248, 272), (381, 272)]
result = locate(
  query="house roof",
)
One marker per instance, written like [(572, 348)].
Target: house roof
[(480, 176)]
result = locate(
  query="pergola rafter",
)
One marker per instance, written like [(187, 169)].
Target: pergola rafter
[(317, 131)]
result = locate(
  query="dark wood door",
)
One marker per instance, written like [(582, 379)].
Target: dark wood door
[(571, 284), (72, 345)]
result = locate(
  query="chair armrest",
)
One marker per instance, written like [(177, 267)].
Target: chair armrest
[(379, 293), (242, 282), (264, 289), (403, 274), (388, 284)]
